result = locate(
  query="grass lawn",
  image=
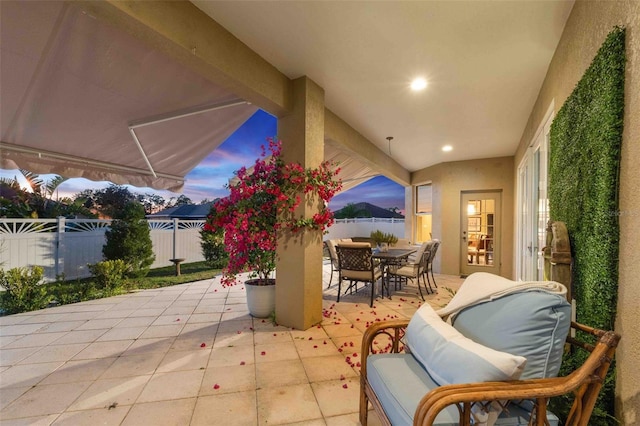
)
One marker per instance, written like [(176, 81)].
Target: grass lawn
[(163, 277), (64, 292)]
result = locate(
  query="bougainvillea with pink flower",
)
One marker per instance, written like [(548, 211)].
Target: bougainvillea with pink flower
[(263, 204)]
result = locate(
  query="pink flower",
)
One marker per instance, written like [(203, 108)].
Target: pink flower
[(263, 204)]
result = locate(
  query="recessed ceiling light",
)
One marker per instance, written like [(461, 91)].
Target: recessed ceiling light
[(447, 148), (418, 84)]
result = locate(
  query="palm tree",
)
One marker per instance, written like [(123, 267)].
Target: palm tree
[(42, 190)]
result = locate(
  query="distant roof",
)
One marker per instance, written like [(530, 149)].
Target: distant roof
[(185, 211), (375, 211)]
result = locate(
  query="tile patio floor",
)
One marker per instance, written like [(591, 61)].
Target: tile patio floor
[(189, 355)]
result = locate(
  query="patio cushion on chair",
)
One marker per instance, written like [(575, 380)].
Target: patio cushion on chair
[(536, 322), (452, 358), (399, 382)]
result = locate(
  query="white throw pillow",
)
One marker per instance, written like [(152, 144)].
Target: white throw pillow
[(451, 358)]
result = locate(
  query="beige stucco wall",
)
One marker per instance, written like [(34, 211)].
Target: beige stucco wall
[(586, 29), (448, 180)]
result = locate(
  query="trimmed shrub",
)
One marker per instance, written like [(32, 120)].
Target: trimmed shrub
[(110, 275), (213, 249), (129, 239), (23, 290)]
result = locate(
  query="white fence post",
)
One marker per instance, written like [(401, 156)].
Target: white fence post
[(175, 233), (59, 260)]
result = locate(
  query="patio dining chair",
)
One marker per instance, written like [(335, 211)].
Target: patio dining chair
[(333, 257), (357, 265), (414, 269), (429, 266)]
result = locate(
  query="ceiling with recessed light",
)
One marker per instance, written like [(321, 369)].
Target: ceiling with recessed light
[(484, 62), (74, 86)]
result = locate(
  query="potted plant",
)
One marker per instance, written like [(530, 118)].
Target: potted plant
[(261, 205), (382, 239)]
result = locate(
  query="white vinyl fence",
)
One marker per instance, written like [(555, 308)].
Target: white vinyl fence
[(362, 227), (65, 246)]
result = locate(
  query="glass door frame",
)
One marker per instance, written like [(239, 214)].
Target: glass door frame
[(533, 204), (468, 267)]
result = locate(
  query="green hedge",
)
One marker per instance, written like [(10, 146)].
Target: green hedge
[(586, 137)]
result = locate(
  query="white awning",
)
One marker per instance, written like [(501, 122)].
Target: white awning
[(82, 99)]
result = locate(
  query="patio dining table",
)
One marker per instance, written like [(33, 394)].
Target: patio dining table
[(391, 257)]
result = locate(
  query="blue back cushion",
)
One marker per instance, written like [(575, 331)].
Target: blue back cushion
[(532, 324)]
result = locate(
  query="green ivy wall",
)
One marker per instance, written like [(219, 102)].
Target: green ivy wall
[(584, 164)]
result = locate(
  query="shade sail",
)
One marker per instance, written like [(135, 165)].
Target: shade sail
[(81, 99)]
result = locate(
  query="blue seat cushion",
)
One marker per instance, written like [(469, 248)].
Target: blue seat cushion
[(532, 324), (400, 382)]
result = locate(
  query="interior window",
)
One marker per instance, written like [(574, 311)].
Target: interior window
[(423, 212)]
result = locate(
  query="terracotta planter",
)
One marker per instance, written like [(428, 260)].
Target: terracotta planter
[(261, 298)]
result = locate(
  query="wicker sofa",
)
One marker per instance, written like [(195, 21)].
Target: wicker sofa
[(440, 378)]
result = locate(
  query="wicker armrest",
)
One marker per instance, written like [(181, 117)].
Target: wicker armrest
[(394, 329)]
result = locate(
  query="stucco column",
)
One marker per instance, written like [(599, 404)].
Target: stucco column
[(299, 264)]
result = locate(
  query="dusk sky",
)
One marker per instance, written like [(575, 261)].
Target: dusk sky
[(207, 179)]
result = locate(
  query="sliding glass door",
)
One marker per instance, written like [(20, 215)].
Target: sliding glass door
[(533, 207)]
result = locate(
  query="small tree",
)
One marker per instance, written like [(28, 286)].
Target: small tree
[(112, 200), (262, 205), (129, 239)]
